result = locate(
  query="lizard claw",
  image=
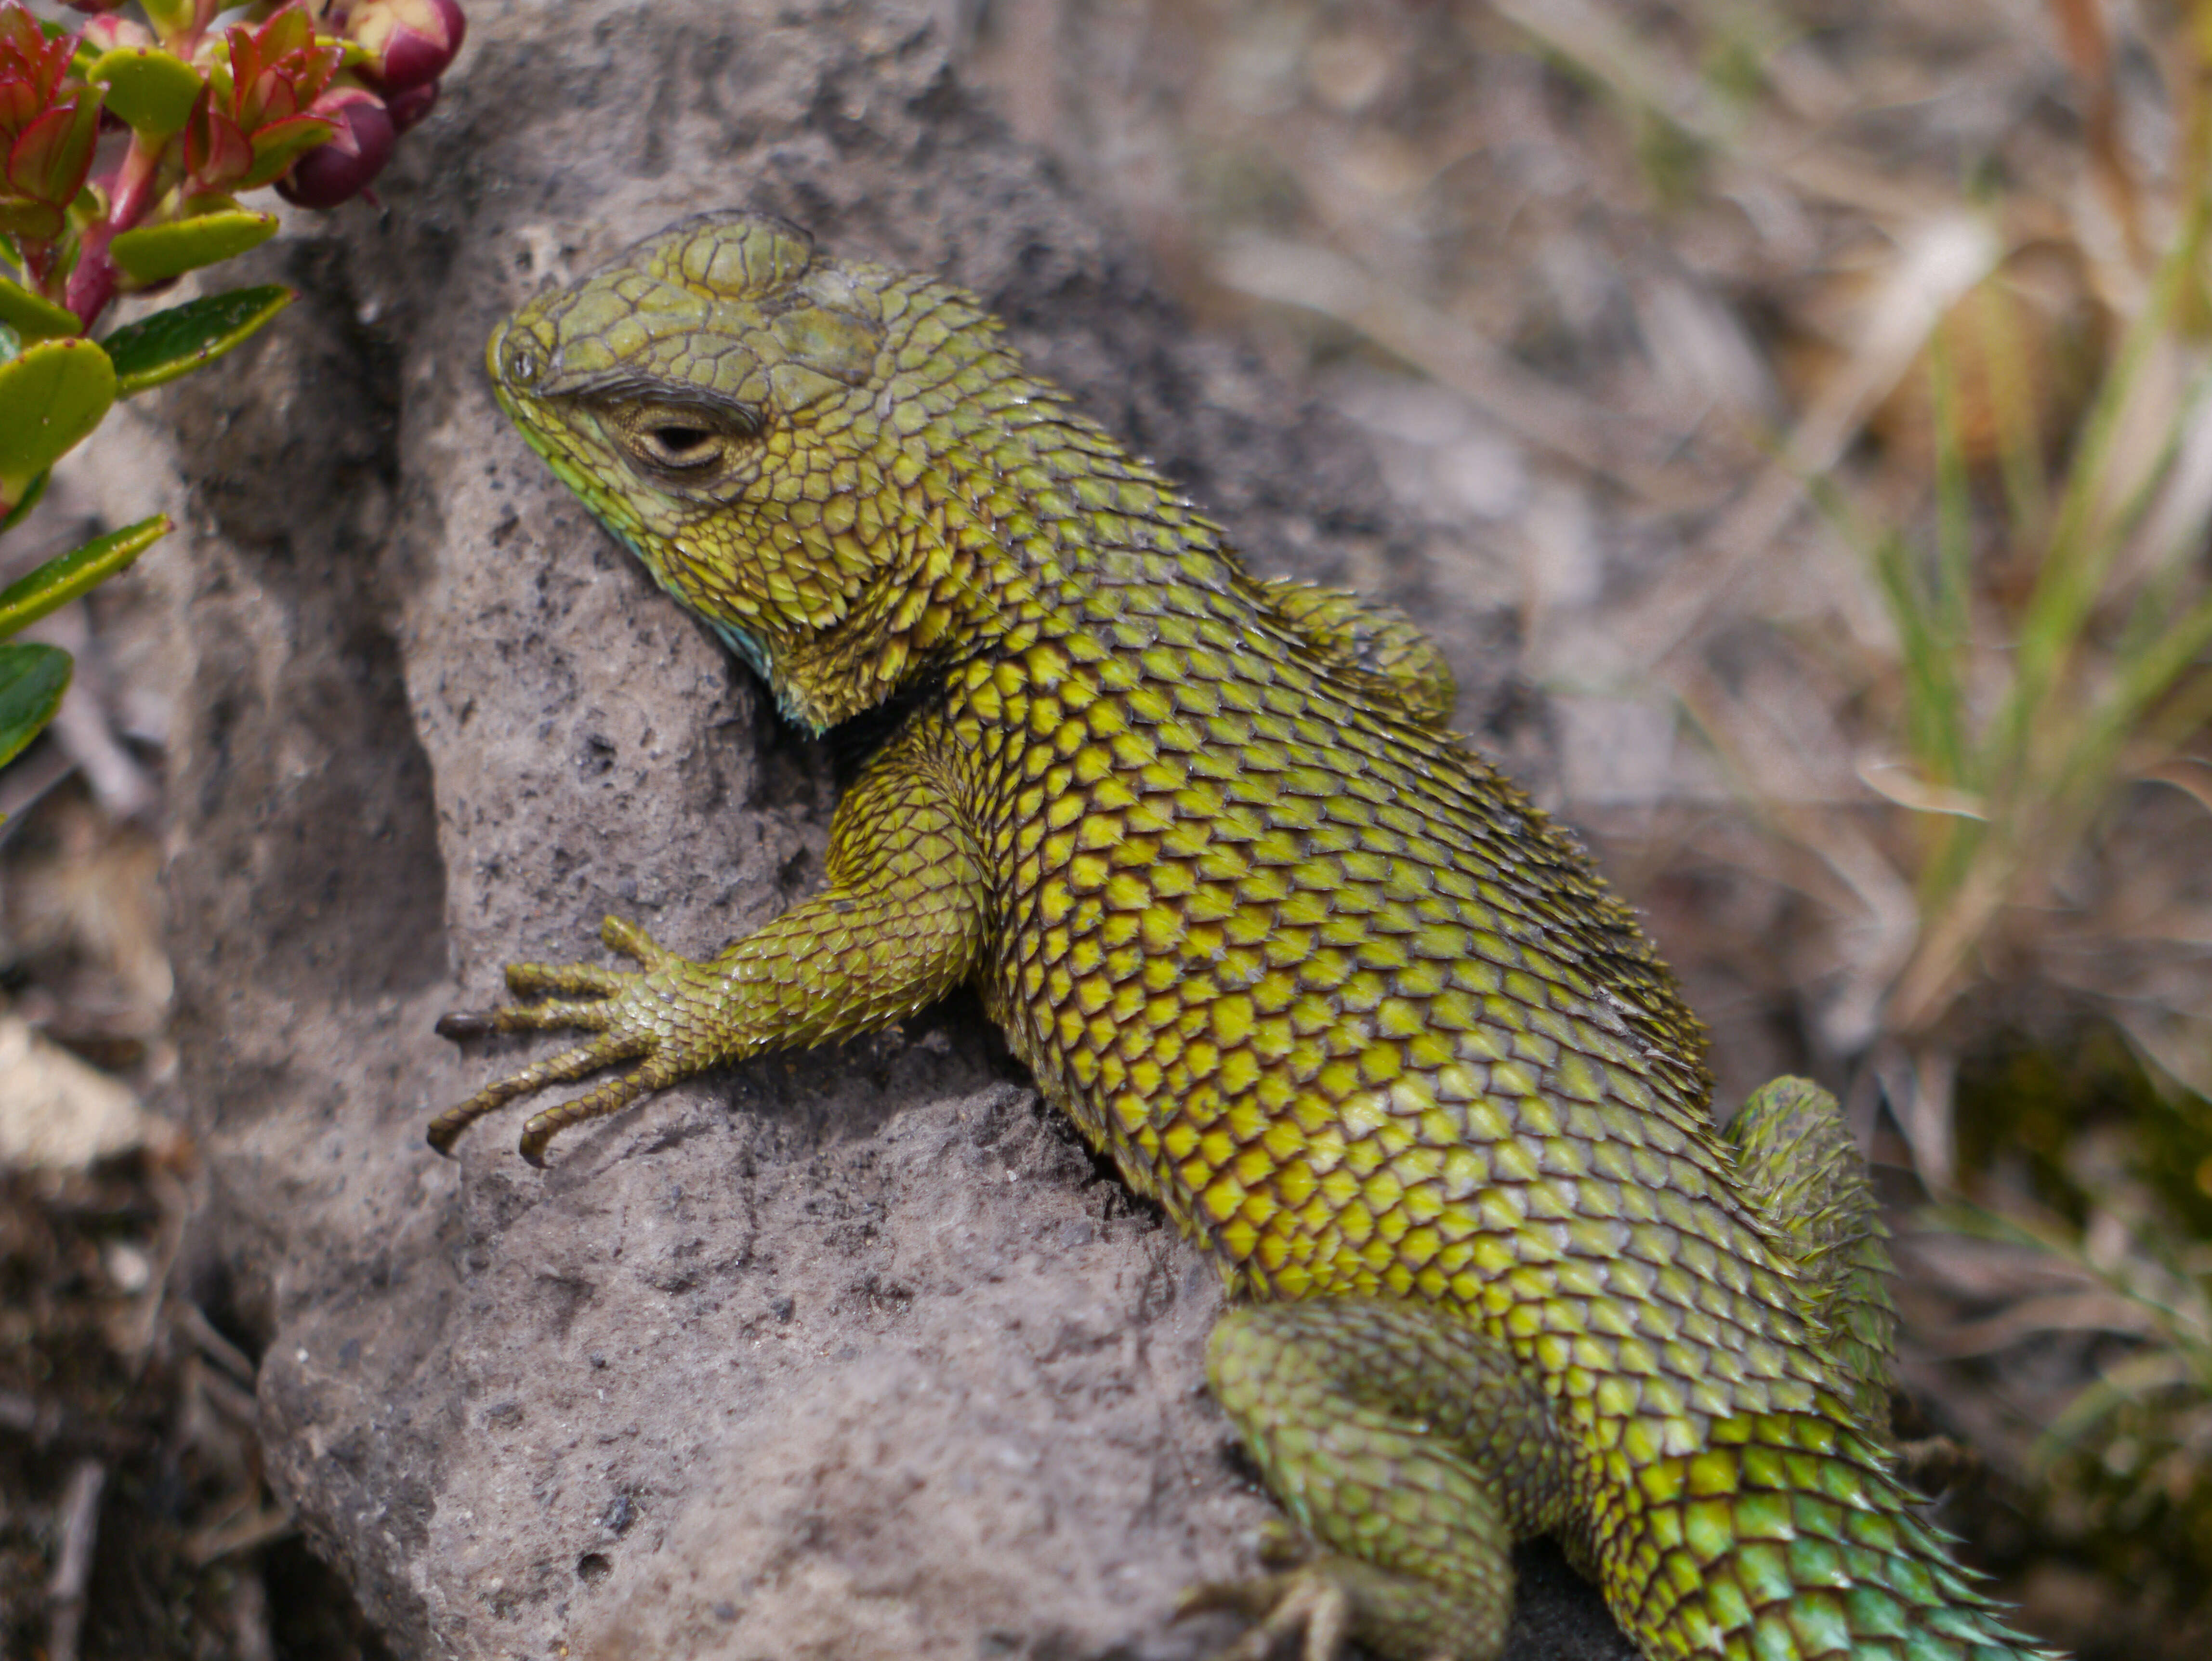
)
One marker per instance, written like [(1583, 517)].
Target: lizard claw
[(626, 1008), (459, 1026)]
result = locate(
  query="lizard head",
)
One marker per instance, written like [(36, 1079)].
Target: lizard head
[(720, 399)]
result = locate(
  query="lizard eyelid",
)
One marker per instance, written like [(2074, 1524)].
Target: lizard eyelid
[(641, 403)]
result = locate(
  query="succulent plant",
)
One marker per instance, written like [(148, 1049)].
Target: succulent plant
[(309, 98)]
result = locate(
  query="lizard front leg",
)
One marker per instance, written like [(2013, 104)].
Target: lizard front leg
[(899, 926)]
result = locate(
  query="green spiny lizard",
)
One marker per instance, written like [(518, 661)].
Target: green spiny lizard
[(1317, 977)]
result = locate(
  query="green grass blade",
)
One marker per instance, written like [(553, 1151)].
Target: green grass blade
[(1942, 713), (2081, 550), (2143, 679), (2003, 349)]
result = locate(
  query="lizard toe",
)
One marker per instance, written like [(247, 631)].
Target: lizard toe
[(610, 1097), (634, 942), (1310, 1601), (563, 1068), (569, 980)]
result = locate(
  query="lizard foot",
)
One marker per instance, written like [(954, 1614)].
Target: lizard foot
[(639, 1015), (1331, 1600), (1283, 1605)]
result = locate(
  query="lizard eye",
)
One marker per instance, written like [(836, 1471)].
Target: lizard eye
[(681, 447), (686, 438), (684, 441)]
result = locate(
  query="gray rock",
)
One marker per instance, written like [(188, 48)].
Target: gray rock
[(855, 1354)]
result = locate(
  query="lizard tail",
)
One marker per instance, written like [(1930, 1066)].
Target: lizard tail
[(1790, 1539)]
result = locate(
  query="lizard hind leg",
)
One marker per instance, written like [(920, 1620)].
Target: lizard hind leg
[(1799, 1163), (1377, 642), (1413, 1449)]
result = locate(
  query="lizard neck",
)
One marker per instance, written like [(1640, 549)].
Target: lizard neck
[(1056, 529)]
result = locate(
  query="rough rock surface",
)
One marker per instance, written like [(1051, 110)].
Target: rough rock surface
[(852, 1354)]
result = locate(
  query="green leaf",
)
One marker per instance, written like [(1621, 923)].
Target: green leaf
[(159, 348), (151, 89), (155, 251), (33, 678), (61, 581), (32, 492), (51, 396), (33, 317)]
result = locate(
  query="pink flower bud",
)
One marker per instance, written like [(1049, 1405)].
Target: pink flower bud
[(338, 171), (414, 40), (408, 107)]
